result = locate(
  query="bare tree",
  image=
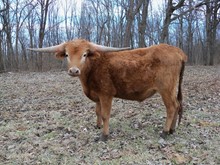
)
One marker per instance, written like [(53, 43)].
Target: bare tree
[(4, 9), (169, 11), (212, 21), (142, 25), (32, 34), (131, 9), (44, 6), (86, 21), (2, 67), (71, 20), (190, 20), (7, 29), (21, 13), (99, 18), (108, 7)]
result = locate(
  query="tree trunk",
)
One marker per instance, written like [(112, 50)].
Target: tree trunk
[(8, 31), (44, 4), (130, 11), (164, 38), (129, 19), (212, 22), (143, 23), (180, 34), (190, 35), (2, 66)]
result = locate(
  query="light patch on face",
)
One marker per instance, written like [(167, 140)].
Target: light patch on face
[(83, 58), (68, 57)]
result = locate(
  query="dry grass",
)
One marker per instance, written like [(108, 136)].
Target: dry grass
[(46, 119)]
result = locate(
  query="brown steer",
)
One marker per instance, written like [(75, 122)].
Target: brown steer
[(130, 74)]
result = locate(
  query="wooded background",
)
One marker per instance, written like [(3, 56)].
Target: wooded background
[(192, 25)]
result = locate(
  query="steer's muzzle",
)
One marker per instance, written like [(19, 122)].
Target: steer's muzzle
[(74, 71)]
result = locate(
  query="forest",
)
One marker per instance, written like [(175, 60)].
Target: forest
[(192, 25)]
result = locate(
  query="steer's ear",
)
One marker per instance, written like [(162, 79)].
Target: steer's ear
[(60, 55), (93, 54)]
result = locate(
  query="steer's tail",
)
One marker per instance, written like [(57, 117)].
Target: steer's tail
[(179, 95)]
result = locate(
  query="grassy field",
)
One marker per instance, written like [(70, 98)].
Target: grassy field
[(46, 119)]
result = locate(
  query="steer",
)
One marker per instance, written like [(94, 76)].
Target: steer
[(137, 74)]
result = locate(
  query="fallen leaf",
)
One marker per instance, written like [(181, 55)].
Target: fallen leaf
[(179, 159)]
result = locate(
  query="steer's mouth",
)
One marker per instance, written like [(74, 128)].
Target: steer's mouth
[(73, 75)]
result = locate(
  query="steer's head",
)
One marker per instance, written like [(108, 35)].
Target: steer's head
[(76, 52)]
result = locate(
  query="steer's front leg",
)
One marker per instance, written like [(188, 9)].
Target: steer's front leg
[(106, 105), (99, 115)]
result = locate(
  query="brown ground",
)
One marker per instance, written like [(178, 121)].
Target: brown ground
[(46, 119)]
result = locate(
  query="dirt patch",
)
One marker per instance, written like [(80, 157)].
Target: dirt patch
[(46, 119)]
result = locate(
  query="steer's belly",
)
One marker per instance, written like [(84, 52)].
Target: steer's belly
[(135, 95)]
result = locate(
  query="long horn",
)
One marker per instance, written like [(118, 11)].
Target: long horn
[(108, 49), (51, 49)]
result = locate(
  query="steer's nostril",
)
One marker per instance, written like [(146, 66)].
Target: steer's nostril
[(74, 71)]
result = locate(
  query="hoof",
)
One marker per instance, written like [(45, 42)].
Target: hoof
[(172, 131), (103, 138), (164, 134), (97, 127)]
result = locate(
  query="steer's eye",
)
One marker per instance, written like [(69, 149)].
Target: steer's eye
[(65, 55), (85, 54)]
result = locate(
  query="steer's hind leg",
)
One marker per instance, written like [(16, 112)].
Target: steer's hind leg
[(173, 126), (170, 102), (99, 115)]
